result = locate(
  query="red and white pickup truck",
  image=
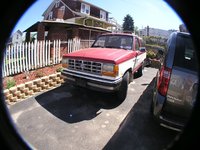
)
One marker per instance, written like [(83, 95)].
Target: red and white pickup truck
[(109, 65)]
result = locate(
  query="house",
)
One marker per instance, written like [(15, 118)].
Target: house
[(15, 38), (67, 19), (117, 28), (147, 31)]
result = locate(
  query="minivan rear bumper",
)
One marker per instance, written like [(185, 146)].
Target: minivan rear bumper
[(164, 117), (169, 123)]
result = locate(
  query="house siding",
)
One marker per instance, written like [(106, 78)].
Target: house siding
[(73, 5), (147, 31), (59, 27), (41, 31), (58, 14), (68, 14), (56, 32)]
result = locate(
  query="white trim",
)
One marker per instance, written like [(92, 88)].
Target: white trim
[(46, 12), (62, 8), (57, 3), (50, 15)]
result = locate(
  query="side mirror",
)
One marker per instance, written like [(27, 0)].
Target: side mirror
[(142, 49)]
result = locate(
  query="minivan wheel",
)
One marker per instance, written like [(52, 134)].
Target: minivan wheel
[(122, 92)]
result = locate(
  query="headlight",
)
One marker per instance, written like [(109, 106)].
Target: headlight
[(108, 67), (64, 62), (110, 70)]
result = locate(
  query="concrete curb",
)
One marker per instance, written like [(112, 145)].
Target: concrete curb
[(28, 89)]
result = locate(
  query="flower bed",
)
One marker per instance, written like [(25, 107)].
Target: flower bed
[(30, 88), (31, 75), (23, 85)]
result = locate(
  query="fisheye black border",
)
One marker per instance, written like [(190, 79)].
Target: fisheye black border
[(11, 11)]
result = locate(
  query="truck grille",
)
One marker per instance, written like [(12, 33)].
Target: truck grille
[(85, 66)]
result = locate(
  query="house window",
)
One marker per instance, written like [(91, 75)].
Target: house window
[(57, 3), (102, 15), (51, 15), (85, 8), (62, 9)]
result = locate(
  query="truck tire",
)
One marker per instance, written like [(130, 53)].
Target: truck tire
[(139, 72), (122, 92)]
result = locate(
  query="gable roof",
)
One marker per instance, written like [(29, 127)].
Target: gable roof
[(19, 32), (49, 8), (78, 13)]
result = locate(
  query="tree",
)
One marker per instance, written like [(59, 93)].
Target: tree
[(136, 30), (128, 24)]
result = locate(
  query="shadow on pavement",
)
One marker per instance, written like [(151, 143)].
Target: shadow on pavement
[(139, 131), (76, 104)]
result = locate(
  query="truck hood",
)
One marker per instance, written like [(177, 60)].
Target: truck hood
[(109, 55)]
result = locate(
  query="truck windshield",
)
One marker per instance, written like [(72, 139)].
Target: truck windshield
[(114, 41)]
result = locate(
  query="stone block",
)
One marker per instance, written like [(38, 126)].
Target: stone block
[(52, 76), (13, 99), (6, 92), (45, 79), (37, 81), (21, 87), (13, 89), (29, 84)]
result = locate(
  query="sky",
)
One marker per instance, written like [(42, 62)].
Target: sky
[(152, 13)]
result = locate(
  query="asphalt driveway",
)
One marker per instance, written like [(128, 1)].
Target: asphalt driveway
[(74, 118)]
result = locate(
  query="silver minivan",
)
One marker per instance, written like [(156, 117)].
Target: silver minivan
[(176, 83)]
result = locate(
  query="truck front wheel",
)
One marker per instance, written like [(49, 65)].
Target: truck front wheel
[(139, 72), (122, 92)]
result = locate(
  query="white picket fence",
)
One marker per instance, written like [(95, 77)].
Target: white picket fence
[(77, 44), (33, 55), (28, 56), (73, 45)]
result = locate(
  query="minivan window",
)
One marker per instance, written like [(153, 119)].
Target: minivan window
[(185, 53)]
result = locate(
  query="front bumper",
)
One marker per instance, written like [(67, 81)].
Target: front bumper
[(91, 81)]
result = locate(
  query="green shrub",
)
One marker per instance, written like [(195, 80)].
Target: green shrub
[(155, 64), (10, 83), (151, 54), (59, 69), (39, 74)]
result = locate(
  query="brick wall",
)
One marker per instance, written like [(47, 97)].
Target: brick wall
[(57, 32), (40, 31)]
